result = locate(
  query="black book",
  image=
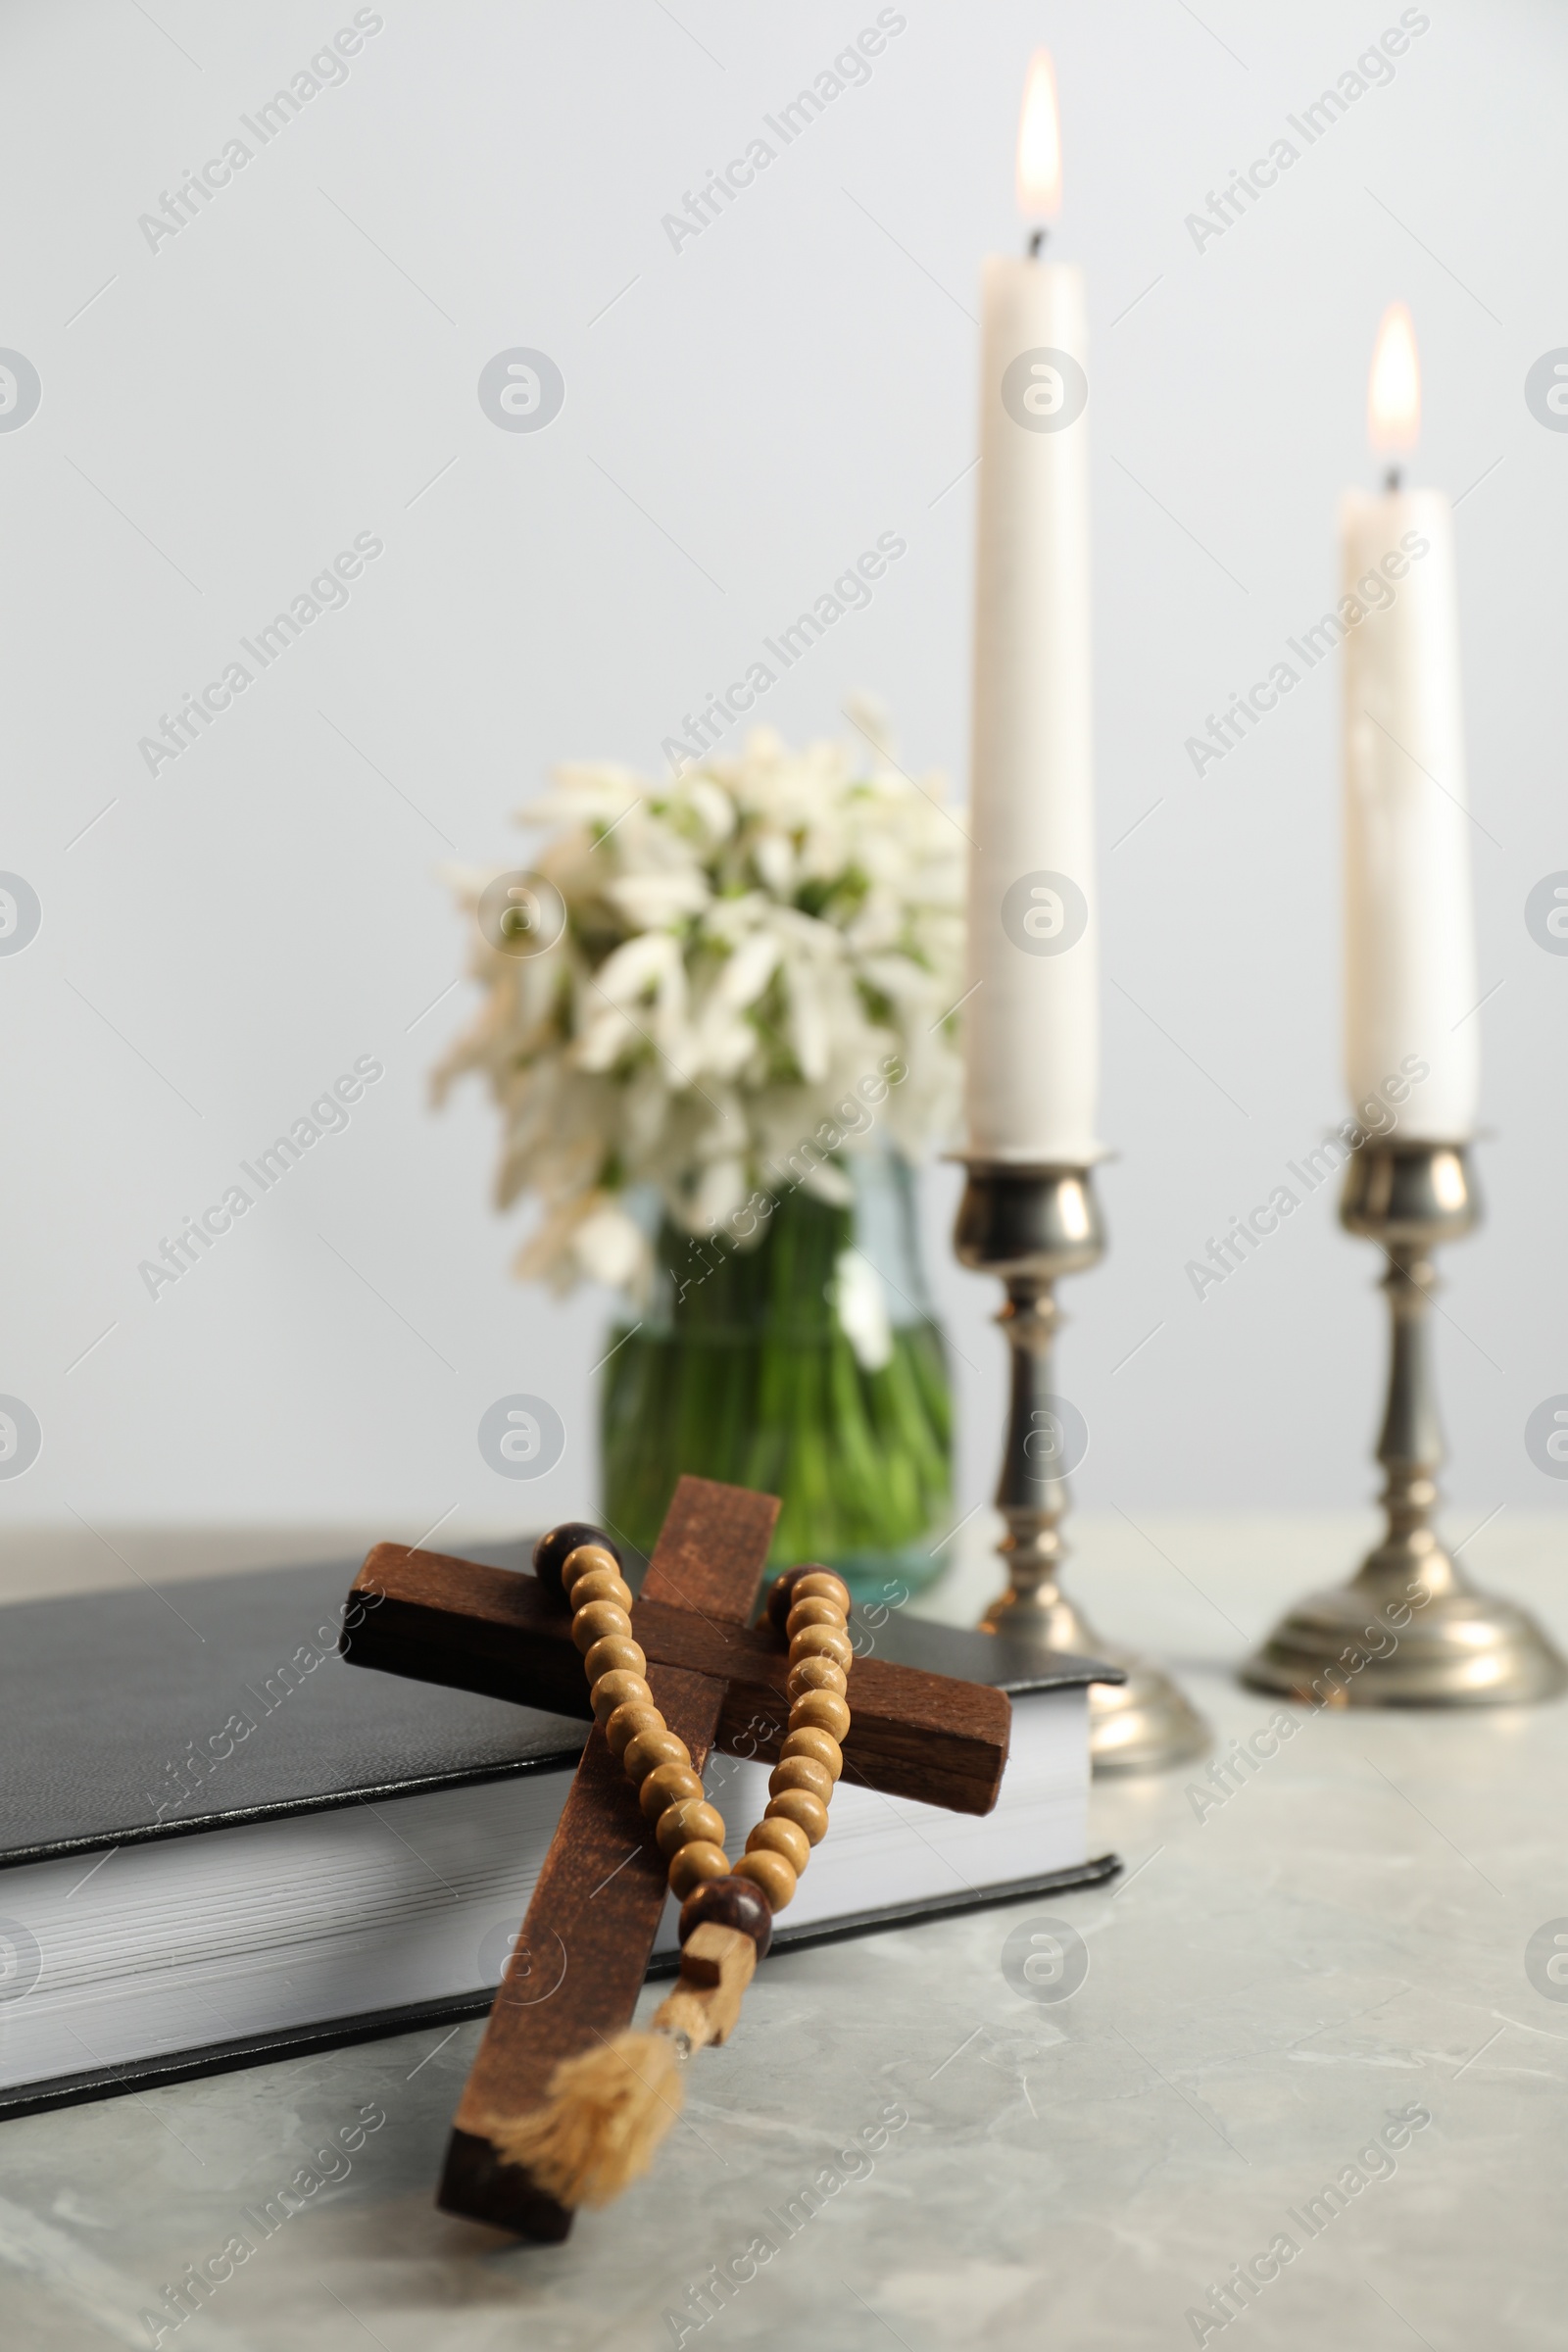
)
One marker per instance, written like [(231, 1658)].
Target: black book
[(221, 1844)]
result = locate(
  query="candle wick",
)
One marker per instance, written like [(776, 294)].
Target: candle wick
[(1391, 481), (1037, 238)]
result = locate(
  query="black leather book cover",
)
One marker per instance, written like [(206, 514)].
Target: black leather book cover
[(141, 1714)]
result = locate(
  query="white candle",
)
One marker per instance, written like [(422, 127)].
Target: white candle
[(1411, 987), (1031, 1053)]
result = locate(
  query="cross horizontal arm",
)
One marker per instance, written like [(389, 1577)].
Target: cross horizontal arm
[(490, 1630)]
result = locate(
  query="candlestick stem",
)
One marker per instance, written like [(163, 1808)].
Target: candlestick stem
[(1031, 1226), (1410, 1442), (1032, 1492)]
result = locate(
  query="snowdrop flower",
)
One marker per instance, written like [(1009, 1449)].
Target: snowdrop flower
[(759, 970)]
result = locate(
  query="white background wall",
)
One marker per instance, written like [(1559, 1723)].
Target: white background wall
[(301, 362)]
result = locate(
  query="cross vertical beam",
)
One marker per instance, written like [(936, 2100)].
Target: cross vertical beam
[(600, 1897)]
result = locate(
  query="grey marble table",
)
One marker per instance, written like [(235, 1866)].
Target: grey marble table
[(1276, 1979)]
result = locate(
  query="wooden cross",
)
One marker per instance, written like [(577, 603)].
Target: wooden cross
[(720, 1682)]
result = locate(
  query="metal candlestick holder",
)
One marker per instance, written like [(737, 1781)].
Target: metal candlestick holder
[(1031, 1225), (1407, 1630)]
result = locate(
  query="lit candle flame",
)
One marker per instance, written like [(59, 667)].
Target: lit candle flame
[(1393, 395), (1040, 143)]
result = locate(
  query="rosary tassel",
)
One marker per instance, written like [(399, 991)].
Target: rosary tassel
[(607, 2109)]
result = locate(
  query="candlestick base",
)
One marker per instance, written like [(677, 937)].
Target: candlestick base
[(1142, 1725), (1030, 1225), (1409, 1630), (1464, 1648)]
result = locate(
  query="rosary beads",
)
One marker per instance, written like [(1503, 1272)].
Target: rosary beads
[(608, 2108)]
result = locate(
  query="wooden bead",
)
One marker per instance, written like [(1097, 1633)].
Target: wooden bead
[(599, 1618), (600, 1584), (823, 1641), (624, 1721), (695, 1863), (619, 1689), (729, 1903), (799, 1772), (667, 1785), (808, 1813), (692, 1822), (647, 1749), (776, 1834), (817, 1745), (816, 1674), (616, 1653), (768, 1871), (781, 1596), (584, 1559), (552, 1551), (820, 1584), (812, 1612), (820, 1711)]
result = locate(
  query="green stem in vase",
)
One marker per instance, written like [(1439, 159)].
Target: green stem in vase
[(749, 1377)]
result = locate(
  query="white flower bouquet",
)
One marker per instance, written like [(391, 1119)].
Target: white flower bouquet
[(730, 1013)]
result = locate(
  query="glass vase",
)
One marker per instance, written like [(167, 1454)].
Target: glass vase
[(806, 1364)]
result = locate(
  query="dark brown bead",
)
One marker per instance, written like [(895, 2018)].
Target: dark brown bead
[(550, 1552), (730, 1903), (778, 1599)]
